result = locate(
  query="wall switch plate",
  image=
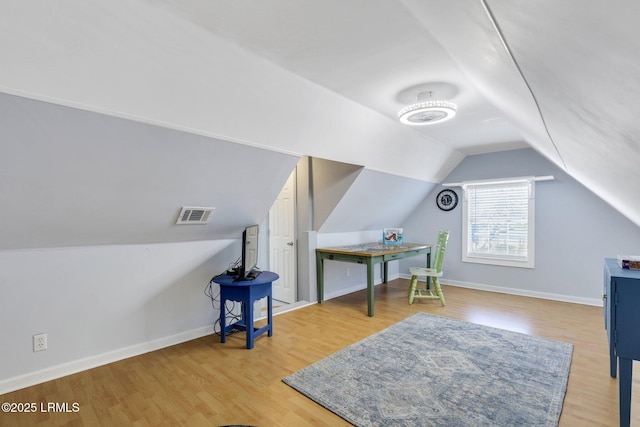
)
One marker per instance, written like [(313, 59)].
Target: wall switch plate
[(39, 342)]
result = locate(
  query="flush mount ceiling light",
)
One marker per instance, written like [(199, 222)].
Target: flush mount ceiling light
[(427, 111)]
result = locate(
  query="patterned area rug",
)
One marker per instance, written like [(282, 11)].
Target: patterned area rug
[(429, 370)]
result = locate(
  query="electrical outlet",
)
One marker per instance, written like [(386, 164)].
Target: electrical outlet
[(347, 272), (40, 342)]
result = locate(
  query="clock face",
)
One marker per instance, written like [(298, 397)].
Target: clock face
[(447, 200)]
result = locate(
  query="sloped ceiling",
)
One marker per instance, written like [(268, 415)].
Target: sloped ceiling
[(330, 182), (88, 179), (326, 78), (375, 201), (582, 62)]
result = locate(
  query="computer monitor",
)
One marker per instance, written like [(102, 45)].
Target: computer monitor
[(249, 260)]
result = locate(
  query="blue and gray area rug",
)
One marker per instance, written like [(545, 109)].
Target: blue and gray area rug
[(430, 370)]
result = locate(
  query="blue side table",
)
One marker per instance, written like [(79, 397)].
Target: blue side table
[(246, 292)]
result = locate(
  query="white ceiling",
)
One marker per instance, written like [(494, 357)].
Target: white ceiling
[(326, 77)]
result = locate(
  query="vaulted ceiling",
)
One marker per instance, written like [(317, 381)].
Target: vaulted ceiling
[(326, 78)]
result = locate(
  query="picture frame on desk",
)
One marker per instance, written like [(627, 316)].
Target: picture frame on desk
[(392, 236)]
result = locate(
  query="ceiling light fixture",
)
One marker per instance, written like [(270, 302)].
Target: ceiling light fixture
[(427, 111)]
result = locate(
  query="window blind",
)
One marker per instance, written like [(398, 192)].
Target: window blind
[(498, 217)]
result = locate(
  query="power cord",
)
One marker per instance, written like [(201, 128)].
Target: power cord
[(230, 309)]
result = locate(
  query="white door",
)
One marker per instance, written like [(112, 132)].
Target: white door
[(282, 248)]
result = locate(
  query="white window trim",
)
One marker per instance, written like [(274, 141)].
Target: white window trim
[(529, 261)]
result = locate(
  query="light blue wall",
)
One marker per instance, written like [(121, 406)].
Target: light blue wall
[(89, 250), (76, 178), (575, 230), (373, 201)]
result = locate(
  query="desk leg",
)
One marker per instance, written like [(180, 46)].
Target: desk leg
[(223, 335), (625, 382), (428, 266), (248, 321), (370, 288), (320, 277), (270, 313), (613, 361), (385, 272)]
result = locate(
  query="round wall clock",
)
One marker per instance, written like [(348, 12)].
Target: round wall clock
[(447, 200)]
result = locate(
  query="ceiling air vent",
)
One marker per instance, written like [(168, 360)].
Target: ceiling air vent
[(194, 215)]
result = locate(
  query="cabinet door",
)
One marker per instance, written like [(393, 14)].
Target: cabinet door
[(627, 317), (606, 300)]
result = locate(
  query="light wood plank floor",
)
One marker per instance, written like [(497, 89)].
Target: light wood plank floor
[(206, 383)]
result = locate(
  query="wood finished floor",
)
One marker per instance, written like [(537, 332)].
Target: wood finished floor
[(206, 383)]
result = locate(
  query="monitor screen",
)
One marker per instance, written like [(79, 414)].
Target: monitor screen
[(249, 250)]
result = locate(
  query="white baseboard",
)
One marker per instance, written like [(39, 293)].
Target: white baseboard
[(59, 371), (597, 302), (290, 307), (521, 292), (33, 378), (351, 289)]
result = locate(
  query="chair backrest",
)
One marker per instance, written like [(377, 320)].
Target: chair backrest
[(441, 247)]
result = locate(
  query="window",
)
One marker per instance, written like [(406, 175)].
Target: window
[(498, 222)]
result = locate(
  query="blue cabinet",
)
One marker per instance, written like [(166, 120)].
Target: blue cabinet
[(622, 320)]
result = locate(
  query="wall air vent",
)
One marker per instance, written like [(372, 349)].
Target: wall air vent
[(190, 215)]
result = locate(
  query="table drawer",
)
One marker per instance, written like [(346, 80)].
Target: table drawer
[(400, 255), (345, 258)]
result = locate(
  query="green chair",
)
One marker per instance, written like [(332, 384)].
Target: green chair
[(433, 290)]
